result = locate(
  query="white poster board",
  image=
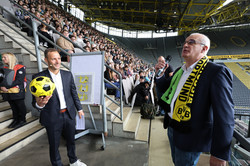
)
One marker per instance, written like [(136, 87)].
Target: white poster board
[(87, 70)]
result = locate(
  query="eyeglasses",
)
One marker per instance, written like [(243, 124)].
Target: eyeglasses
[(192, 42)]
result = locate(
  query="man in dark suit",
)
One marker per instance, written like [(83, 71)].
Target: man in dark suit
[(58, 111), (199, 106)]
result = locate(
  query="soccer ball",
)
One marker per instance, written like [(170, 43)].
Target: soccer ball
[(42, 86)]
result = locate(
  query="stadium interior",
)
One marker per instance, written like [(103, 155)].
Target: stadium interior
[(114, 132)]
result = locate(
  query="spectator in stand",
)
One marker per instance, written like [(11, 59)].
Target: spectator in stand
[(38, 15), (130, 68), (126, 71), (151, 72), (19, 12), (43, 8), (87, 49), (33, 10), (39, 9), (142, 91), (88, 44), (73, 39), (116, 60), (101, 47), (44, 31), (55, 35), (24, 16), (139, 78), (94, 49), (70, 31), (112, 77), (66, 45), (77, 48), (79, 40)]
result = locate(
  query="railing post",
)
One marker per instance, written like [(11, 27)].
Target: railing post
[(248, 132), (39, 60)]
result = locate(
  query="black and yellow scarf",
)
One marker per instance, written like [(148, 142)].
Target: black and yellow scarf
[(182, 111)]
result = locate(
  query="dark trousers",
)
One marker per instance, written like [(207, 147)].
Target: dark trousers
[(65, 126), (18, 109)]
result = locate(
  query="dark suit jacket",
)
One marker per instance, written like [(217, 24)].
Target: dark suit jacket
[(212, 113), (50, 113)]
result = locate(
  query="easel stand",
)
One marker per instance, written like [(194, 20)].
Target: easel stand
[(89, 80), (92, 131)]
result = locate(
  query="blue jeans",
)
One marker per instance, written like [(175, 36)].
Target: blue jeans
[(117, 92), (180, 157)]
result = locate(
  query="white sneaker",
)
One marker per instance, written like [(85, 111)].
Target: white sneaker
[(78, 163), (45, 44)]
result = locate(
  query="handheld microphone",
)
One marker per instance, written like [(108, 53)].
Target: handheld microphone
[(168, 59)]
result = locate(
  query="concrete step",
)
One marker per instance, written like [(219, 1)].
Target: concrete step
[(11, 31), (8, 133), (118, 125), (5, 44), (4, 104), (6, 120), (115, 108), (5, 111), (132, 126), (96, 109), (143, 130), (12, 50), (14, 144)]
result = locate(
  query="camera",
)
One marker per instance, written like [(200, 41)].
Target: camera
[(6, 76)]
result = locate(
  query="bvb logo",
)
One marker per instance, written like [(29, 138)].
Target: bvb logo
[(183, 113)]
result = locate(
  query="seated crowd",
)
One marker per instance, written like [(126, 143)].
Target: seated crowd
[(84, 37)]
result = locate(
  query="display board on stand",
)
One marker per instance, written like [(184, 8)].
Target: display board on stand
[(88, 74), (88, 70)]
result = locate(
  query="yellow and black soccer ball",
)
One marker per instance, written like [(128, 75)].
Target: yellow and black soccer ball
[(42, 86)]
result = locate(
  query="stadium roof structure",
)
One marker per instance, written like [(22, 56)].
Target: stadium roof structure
[(166, 15)]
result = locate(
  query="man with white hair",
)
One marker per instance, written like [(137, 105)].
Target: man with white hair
[(199, 106)]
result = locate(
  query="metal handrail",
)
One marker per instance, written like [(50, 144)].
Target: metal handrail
[(120, 104)]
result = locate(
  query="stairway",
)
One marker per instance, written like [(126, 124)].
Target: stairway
[(14, 139), (132, 126)]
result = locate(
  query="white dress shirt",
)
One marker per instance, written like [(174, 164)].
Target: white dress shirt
[(186, 73), (57, 79)]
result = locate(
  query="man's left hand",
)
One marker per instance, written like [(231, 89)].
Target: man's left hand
[(80, 113)]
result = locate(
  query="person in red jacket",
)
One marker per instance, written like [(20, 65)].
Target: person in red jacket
[(15, 93)]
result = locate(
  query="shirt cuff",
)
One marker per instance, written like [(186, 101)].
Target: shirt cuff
[(39, 107), (158, 77)]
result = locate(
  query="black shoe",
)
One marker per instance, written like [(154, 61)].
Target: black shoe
[(13, 123), (157, 113), (20, 124)]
